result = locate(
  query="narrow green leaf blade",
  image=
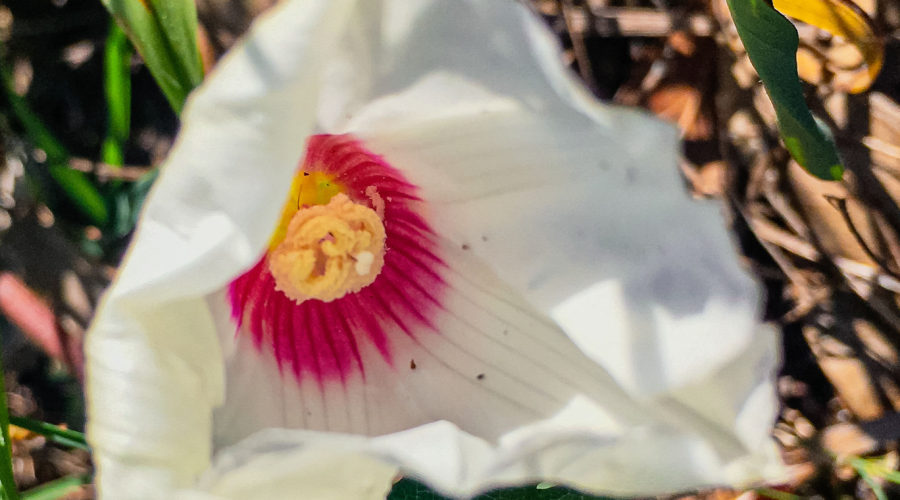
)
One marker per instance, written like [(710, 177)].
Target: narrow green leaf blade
[(164, 32), (82, 191), (771, 42), (52, 432), (862, 468), (7, 479), (117, 84), (179, 19), (55, 490)]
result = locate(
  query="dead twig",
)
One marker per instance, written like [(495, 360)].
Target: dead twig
[(106, 172), (585, 68), (637, 22), (840, 204), (769, 233)]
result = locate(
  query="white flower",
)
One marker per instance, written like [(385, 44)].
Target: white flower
[(491, 279)]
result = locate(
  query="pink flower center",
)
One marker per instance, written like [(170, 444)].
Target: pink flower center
[(352, 263)]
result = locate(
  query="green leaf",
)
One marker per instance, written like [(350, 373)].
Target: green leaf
[(7, 479), (57, 489), (862, 467), (771, 42), (80, 190), (165, 34), (52, 432), (117, 84)]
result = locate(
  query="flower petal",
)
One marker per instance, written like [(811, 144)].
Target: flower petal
[(575, 448), (590, 225), (486, 361), (512, 369), (281, 472), (548, 206), (580, 209), (391, 45), (154, 371), (539, 412), (482, 136)]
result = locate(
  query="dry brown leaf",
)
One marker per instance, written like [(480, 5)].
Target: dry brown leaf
[(847, 374), (884, 132), (847, 439), (810, 66), (847, 20), (680, 103), (827, 222)]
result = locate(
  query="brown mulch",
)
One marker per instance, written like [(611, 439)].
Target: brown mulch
[(827, 252)]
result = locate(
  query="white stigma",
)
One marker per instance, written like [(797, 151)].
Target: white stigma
[(364, 262)]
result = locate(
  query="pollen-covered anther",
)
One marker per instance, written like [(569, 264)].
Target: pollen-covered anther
[(329, 251)]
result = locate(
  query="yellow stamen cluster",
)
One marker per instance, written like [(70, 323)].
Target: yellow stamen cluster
[(328, 251)]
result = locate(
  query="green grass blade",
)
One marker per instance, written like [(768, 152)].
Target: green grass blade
[(52, 432), (81, 191), (771, 42), (117, 85), (165, 34), (891, 475), (876, 488), (54, 490), (864, 469), (7, 480)]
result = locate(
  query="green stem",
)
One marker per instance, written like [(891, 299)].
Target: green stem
[(52, 432), (7, 481), (59, 488), (117, 85)]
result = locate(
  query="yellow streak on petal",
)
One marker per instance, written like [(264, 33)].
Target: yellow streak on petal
[(307, 189), (847, 20)]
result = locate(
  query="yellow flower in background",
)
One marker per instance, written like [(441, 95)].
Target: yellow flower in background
[(397, 236)]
